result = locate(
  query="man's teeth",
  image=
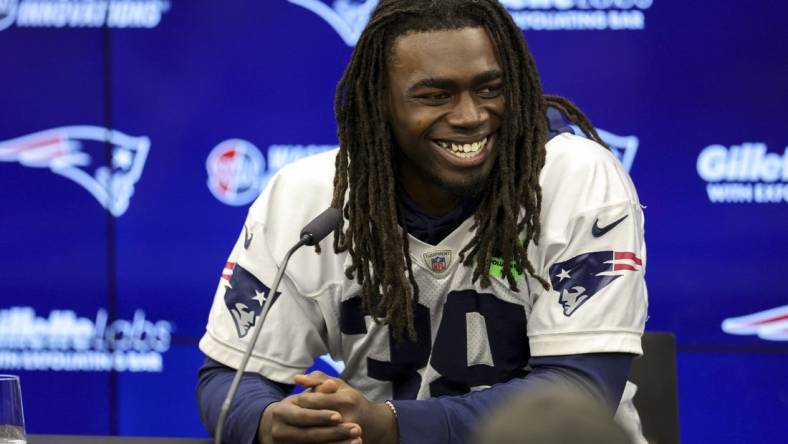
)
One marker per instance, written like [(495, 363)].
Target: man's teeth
[(464, 150)]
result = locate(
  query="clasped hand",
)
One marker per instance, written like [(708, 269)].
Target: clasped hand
[(329, 411)]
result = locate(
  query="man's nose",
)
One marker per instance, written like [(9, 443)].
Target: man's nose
[(467, 112)]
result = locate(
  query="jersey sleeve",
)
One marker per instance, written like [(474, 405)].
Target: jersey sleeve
[(592, 253), (294, 332), (255, 393)]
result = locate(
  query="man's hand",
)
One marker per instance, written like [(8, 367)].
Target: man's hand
[(325, 393), (287, 421)]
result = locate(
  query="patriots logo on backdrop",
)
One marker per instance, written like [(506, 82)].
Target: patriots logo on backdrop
[(347, 17), (771, 325), (7, 13), (244, 297), (77, 152), (623, 147), (581, 277)]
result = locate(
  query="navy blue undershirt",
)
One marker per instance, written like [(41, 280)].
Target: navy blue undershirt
[(435, 421)]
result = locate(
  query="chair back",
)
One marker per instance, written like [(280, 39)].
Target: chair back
[(657, 396)]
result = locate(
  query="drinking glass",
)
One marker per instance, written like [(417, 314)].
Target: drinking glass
[(12, 421)]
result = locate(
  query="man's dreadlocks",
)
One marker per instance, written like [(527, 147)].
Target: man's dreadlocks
[(365, 182)]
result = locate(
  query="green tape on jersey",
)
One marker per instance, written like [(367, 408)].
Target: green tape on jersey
[(496, 269)]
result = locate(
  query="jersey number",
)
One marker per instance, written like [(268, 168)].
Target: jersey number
[(506, 333)]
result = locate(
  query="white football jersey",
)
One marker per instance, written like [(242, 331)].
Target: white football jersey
[(591, 250)]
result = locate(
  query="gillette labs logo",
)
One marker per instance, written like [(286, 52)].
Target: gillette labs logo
[(349, 17), (82, 13), (65, 342), (746, 173)]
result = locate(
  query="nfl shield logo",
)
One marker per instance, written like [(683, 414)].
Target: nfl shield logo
[(438, 264), (438, 261)]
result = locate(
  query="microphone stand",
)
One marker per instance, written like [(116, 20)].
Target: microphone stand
[(305, 239)]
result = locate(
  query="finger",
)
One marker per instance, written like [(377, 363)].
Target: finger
[(311, 380), (295, 415), (346, 441), (330, 386), (346, 432), (319, 384), (322, 401), (353, 441), (318, 374)]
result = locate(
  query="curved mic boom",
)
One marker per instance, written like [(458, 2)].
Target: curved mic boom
[(313, 232)]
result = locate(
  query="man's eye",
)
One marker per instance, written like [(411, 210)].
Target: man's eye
[(435, 98), (490, 91)]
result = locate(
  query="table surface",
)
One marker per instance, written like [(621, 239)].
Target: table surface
[(75, 439)]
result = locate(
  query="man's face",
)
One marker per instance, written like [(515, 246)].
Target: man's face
[(445, 106), (572, 299), (244, 318)]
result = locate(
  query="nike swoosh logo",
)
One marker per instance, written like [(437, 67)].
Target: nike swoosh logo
[(598, 231), (247, 238)]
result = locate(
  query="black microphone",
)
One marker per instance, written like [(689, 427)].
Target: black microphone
[(320, 226), (313, 232)]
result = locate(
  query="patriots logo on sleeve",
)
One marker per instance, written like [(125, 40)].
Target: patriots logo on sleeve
[(578, 279), (244, 297)]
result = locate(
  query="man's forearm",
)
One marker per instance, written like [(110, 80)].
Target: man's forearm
[(254, 394), (451, 419)]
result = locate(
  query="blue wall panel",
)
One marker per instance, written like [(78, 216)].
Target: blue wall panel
[(179, 78)]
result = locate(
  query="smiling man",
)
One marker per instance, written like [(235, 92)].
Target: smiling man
[(445, 106), (465, 197)]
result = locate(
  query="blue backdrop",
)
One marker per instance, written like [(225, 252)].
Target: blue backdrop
[(133, 135)]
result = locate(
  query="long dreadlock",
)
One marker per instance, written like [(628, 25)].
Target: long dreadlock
[(364, 183)]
